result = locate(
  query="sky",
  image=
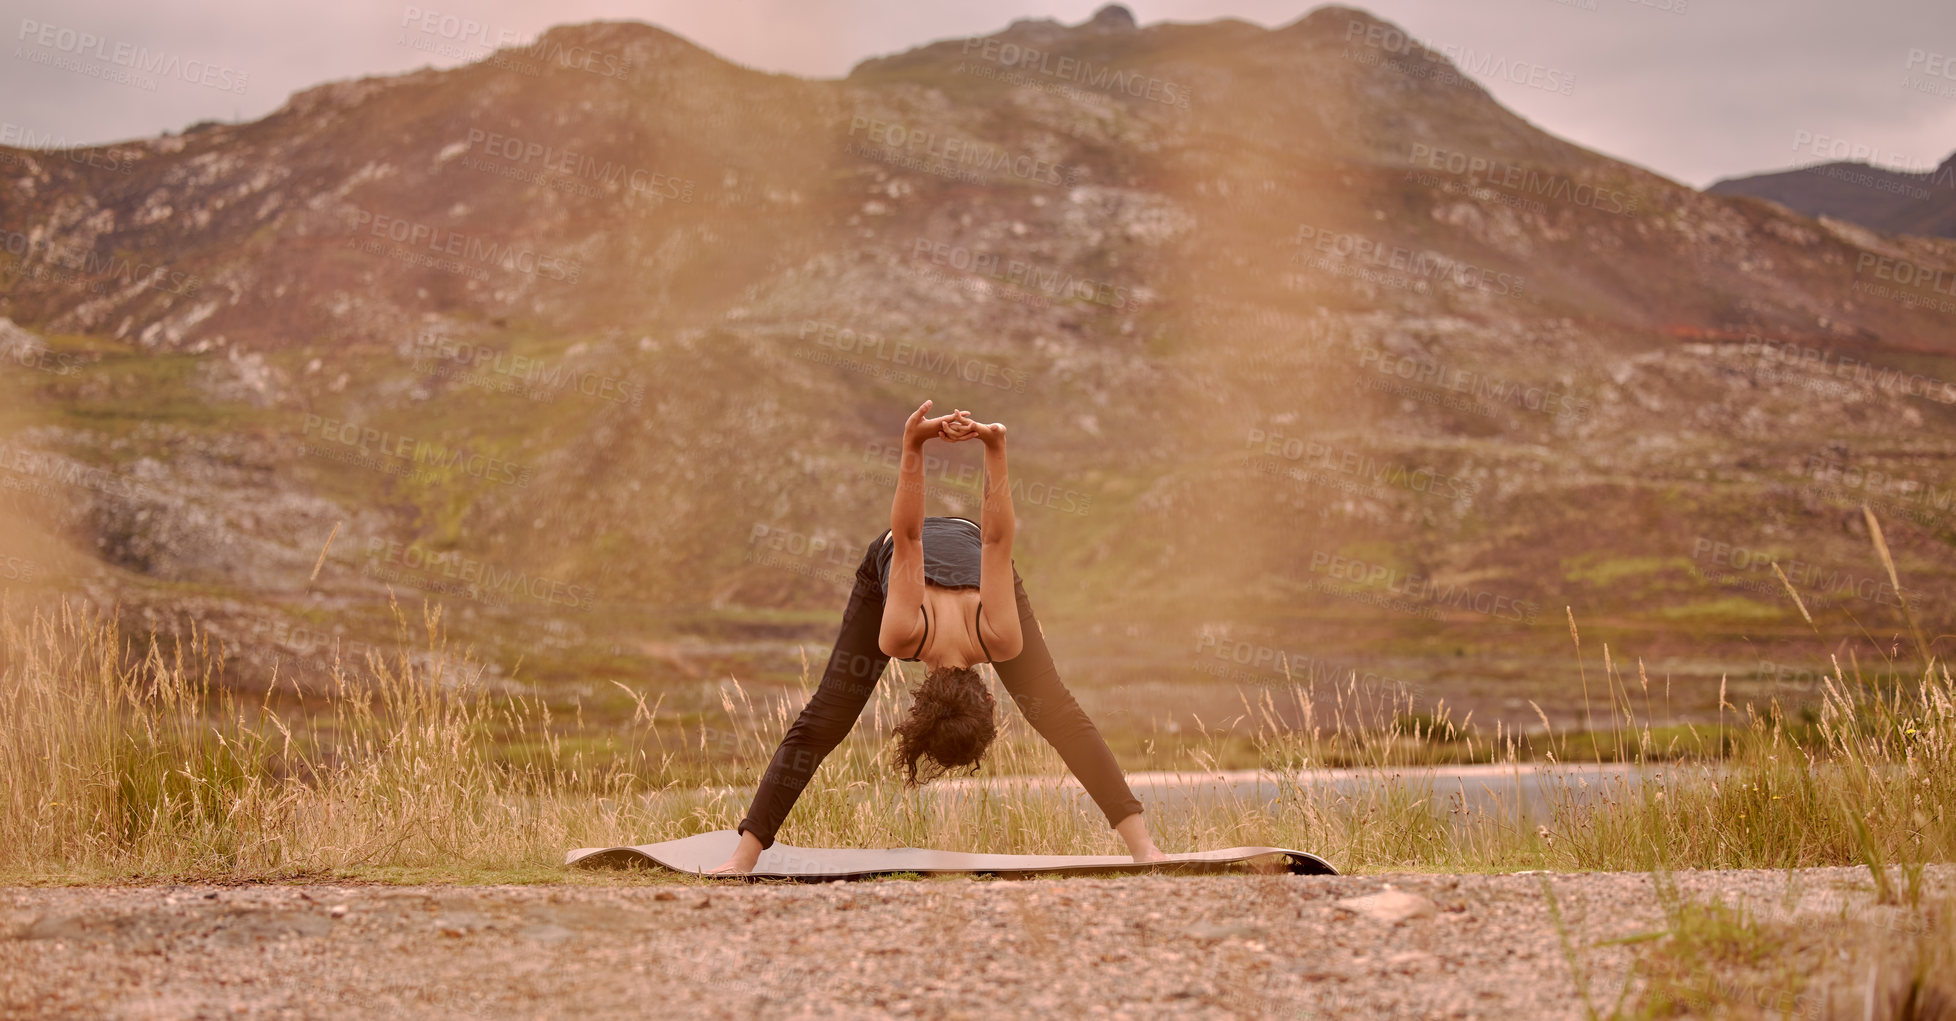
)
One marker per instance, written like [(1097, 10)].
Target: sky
[(1696, 90)]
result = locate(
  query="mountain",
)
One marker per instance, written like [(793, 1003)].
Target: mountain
[(1889, 201), (1312, 352)]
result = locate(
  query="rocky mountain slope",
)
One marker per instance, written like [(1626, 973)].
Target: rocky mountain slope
[(1313, 353)]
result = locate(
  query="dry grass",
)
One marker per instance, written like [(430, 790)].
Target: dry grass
[(122, 758)]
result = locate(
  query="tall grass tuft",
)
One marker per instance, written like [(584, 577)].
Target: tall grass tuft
[(123, 758)]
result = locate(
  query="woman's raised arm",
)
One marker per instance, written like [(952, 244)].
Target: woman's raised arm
[(999, 622), (903, 615)]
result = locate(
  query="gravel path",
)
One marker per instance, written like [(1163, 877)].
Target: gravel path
[(1219, 946)]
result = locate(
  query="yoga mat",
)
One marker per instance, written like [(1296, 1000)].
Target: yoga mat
[(703, 851)]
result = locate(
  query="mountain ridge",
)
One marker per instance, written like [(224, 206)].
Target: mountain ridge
[(627, 333), (1890, 201)]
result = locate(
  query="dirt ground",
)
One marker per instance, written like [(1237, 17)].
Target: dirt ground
[(1259, 946)]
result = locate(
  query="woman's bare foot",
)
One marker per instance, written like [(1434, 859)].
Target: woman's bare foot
[(1134, 830), (741, 862)]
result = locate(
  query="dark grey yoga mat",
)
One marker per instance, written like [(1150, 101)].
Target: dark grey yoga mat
[(703, 851)]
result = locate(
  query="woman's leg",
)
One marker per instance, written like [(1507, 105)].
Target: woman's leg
[(1034, 683), (854, 668)]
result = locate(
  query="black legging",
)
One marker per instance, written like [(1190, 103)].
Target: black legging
[(853, 670)]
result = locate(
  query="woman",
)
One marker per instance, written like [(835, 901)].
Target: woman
[(932, 589)]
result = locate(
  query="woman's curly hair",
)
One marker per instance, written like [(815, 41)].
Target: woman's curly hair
[(950, 724)]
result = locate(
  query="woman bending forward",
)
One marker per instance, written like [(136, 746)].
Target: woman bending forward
[(943, 591)]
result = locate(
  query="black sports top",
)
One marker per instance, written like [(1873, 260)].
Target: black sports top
[(953, 551)]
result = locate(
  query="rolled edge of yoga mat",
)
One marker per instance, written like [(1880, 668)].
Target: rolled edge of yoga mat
[(703, 851)]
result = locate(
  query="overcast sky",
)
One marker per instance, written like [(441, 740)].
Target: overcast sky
[(1722, 88)]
